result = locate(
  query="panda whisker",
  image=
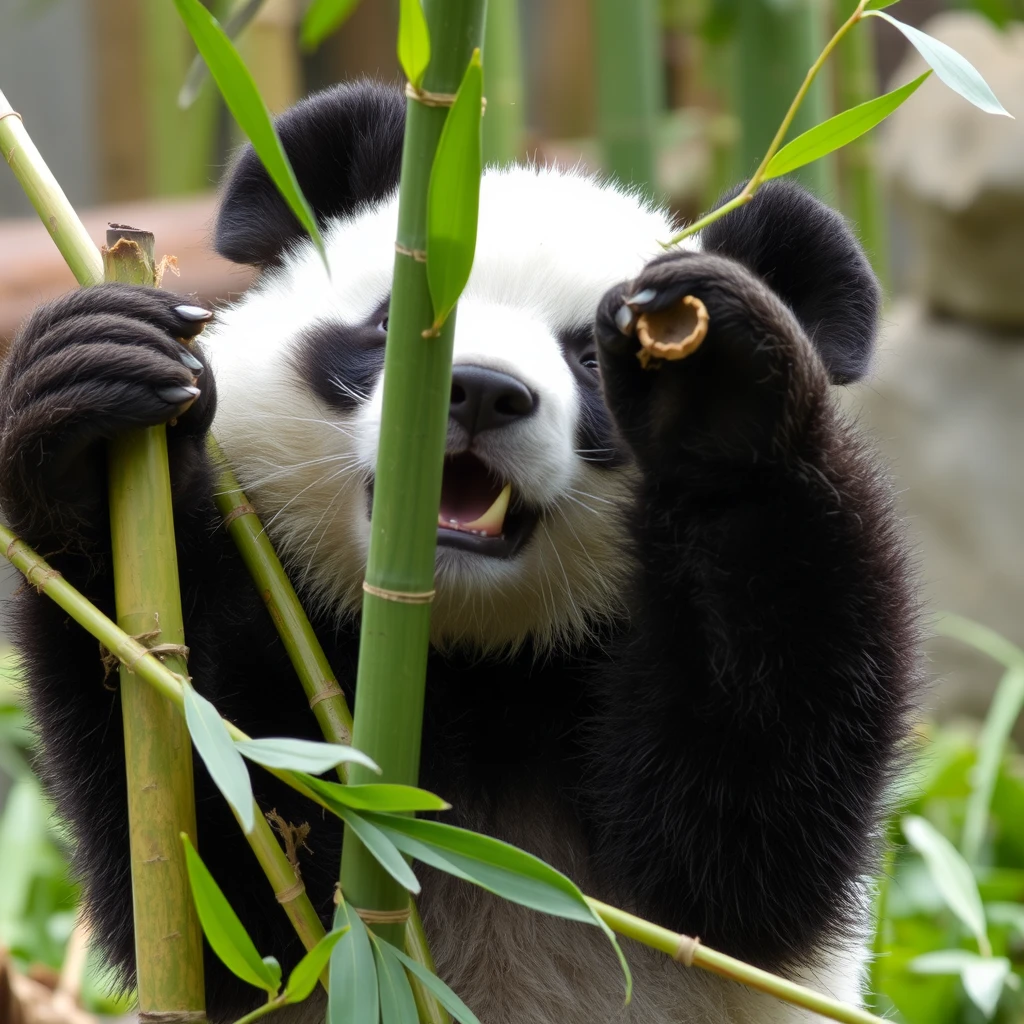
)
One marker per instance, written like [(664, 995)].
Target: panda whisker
[(586, 494), (582, 504), (313, 483), (347, 389)]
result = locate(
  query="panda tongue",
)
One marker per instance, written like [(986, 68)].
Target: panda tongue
[(471, 500)]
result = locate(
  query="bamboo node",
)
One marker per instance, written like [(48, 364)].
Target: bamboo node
[(293, 892), (172, 1017), (673, 333), (330, 691), (419, 255), (12, 113), (237, 512), (686, 949), (399, 916), (399, 596)]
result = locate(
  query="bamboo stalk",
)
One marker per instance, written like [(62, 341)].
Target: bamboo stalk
[(151, 671), (503, 84), (158, 752), (857, 82), (407, 487), (41, 187), (775, 43), (630, 97)]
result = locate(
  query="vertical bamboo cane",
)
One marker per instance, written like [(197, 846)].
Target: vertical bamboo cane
[(503, 84), (776, 46), (158, 753), (629, 88), (407, 489)]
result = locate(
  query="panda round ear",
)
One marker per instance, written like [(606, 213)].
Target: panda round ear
[(345, 145), (809, 256)]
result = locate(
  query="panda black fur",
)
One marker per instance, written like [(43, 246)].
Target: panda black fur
[(689, 684)]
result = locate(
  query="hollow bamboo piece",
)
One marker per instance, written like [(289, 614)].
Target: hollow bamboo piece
[(630, 91), (56, 213), (407, 488), (776, 44), (503, 84), (158, 752)]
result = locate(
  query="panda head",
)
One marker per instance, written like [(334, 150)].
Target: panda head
[(533, 543)]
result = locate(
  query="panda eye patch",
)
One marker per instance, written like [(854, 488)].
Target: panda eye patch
[(589, 360)]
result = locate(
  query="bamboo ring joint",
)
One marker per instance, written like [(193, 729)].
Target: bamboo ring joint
[(12, 113), (291, 893), (399, 596), (399, 916), (237, 512), (437, 99), (686, 949), (419, 255), (673, 333), (329, 691), (172, 1017)]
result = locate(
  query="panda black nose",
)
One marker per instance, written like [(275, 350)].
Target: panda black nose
[(483, 399)]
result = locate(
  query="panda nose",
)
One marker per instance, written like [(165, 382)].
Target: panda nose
[(483, 399)]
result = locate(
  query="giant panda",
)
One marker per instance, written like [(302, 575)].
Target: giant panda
[(678, 665)]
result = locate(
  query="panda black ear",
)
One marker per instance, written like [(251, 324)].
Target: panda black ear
[(345, 145), (806, 252)]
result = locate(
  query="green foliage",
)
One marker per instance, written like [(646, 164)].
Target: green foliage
[(441, 992), (413, 41), (397, 1005), (323, 17), (838, 131), (247, 106), (354, 996), (453, 198), (301, 755)]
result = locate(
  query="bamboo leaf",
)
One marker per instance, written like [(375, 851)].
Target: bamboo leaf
[(453, 196), (198, 71), (397, 1005), (413, 41), (322, 18), (383, 850), (951, 874), (274, 971), (999, 722), (437, 988), (837, 131), (983, 977), (248, 109), (955, 70), (225, 933), (498, 867), (353, 995), (217, 749), (301, 755), (303, 978), (877, 5), (386, 796)]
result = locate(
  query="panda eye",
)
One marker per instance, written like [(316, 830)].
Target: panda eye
[(383, 325), (589, 360)]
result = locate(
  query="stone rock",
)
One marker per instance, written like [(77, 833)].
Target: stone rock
[(944, 405), (958, 173)]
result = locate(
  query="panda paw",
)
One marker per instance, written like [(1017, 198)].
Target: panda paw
[(745, 389), (84, 368)]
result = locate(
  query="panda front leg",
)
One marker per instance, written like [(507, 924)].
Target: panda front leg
[(752, 717)]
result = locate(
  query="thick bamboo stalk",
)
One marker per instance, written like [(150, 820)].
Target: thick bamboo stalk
[(407, 488), (158, 752), (48, 198), (630, 91), (503, 84), (776, 43), (857, 82)]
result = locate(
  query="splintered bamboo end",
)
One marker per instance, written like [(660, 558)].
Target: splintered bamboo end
[(673, 333)]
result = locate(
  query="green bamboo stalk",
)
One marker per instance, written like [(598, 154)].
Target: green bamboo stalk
[(630, 91), (151, 671), (158, 752), (503, 84), (407, 488), (41, 187), (775, 43), (857, 82)]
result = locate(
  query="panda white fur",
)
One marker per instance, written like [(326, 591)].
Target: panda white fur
[(678, 666)]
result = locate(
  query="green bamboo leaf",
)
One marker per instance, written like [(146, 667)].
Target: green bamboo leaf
[(273, 970), (837, 131), (301, 755), (237, 20), (877, 5), (951, 874), (498, 867), (381, 848), (225, 933), (22, 846), (247, 106), (322, 18), (453, 195), (983, 977), (437, 988), (983, 638), (397, 1005), (304, 977), (353, 997), (222, 760), (413, 41), (387, 797), (956, 71)]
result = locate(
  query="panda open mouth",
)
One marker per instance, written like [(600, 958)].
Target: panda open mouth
[(478, 512)]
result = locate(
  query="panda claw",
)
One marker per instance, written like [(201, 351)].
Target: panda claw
[(177, 396), (190, 361), (624, 320), (642, 297)]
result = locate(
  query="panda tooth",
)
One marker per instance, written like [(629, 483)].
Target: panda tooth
[(490, 524)]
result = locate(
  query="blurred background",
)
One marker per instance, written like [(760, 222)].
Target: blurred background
[(679, 98)]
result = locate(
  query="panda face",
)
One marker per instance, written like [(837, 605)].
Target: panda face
[(530, 535)]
